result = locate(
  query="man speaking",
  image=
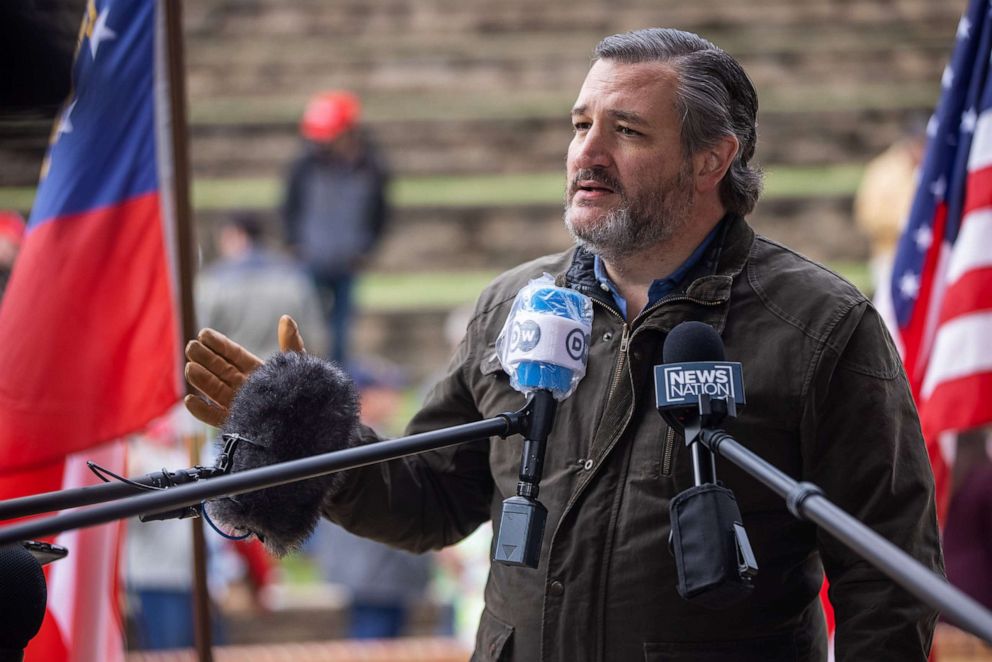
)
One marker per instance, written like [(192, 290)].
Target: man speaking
[(659, 182)]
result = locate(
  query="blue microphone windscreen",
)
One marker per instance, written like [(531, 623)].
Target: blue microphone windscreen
[(543, 345)]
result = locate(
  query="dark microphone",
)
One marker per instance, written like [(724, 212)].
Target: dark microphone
[(22, 607), (697, 388), (695, 374), (293, 406)]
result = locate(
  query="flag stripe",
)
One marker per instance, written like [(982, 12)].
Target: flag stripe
[(979, 196), (960, 349), (981, 150), (945, 409), (88, 576), (971, 293), (90, 348), (973, 249)]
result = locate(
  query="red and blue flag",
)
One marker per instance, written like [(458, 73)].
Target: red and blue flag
[(89, 330), (90, 323)]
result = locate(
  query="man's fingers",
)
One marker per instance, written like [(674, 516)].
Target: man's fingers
[(207, 383), (229, 350), (221, 368), (205, 411), (290, 339)]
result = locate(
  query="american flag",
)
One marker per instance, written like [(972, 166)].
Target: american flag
[(941, 287)]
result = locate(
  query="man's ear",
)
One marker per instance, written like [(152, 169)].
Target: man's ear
[(711, 164)]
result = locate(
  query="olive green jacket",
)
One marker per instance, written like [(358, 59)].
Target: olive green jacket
[(827, 402)]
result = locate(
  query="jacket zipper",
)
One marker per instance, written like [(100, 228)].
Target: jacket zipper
[(668, 450), (624, 343), (666, 459)]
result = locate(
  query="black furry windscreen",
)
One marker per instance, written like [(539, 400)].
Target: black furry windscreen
[(293, 406)]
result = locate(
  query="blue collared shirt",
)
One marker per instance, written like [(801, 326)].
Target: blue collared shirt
[(660, 287)]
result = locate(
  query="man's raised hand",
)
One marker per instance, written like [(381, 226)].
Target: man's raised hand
[(217, 367)]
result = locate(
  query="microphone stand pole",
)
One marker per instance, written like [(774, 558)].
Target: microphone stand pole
[(184, 496), (806, 502), (109, 491)]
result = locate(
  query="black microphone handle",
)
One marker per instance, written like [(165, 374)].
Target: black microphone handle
[(806, 501), (260, 478)]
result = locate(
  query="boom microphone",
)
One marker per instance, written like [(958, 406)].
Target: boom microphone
[(293, 406)]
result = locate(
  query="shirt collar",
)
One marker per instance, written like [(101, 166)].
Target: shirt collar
[(660, 287)]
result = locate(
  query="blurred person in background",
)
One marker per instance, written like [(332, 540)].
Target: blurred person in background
[(335, 206), (11, 233), (384, 583), (249, 283), (882, 203), (158, 556)]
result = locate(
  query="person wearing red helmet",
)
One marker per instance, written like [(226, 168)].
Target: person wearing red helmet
[(335, 207)]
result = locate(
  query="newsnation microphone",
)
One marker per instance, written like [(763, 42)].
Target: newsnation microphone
[(659, 182)]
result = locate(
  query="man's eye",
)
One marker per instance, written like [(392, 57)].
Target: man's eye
[(627, 131), (580, 126)]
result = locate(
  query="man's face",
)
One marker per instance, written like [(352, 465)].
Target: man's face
[(629, 185)]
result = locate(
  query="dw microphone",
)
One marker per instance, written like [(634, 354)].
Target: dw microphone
[(544, 348)]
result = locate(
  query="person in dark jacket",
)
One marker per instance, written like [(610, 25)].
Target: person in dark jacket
[(335, 206), (659, 180)]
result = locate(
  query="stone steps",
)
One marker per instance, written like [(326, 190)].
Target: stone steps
[(474, 146), (484, 145), (423, 60), (349, 17), (499, 237)]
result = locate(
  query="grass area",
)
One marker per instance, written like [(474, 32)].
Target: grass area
[(812, 181), (409, 291), (418, 291), (508, 189)]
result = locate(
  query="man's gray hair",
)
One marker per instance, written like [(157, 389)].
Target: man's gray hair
[(714, 97)]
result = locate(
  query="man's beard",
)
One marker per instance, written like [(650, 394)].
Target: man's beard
[(633, 224)]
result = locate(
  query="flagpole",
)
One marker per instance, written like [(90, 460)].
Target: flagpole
[(184, 254)]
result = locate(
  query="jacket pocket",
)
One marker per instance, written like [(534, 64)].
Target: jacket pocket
[(776, 648), (492, 641)]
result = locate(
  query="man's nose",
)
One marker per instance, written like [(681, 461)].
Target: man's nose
[(591, 149)]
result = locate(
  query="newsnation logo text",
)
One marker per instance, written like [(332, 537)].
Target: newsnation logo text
[(680, 384)]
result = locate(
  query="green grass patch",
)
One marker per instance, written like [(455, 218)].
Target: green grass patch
[(493, 190), (479, 190), (418, 291), (17, 197), (398, 292), (812, 181)]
